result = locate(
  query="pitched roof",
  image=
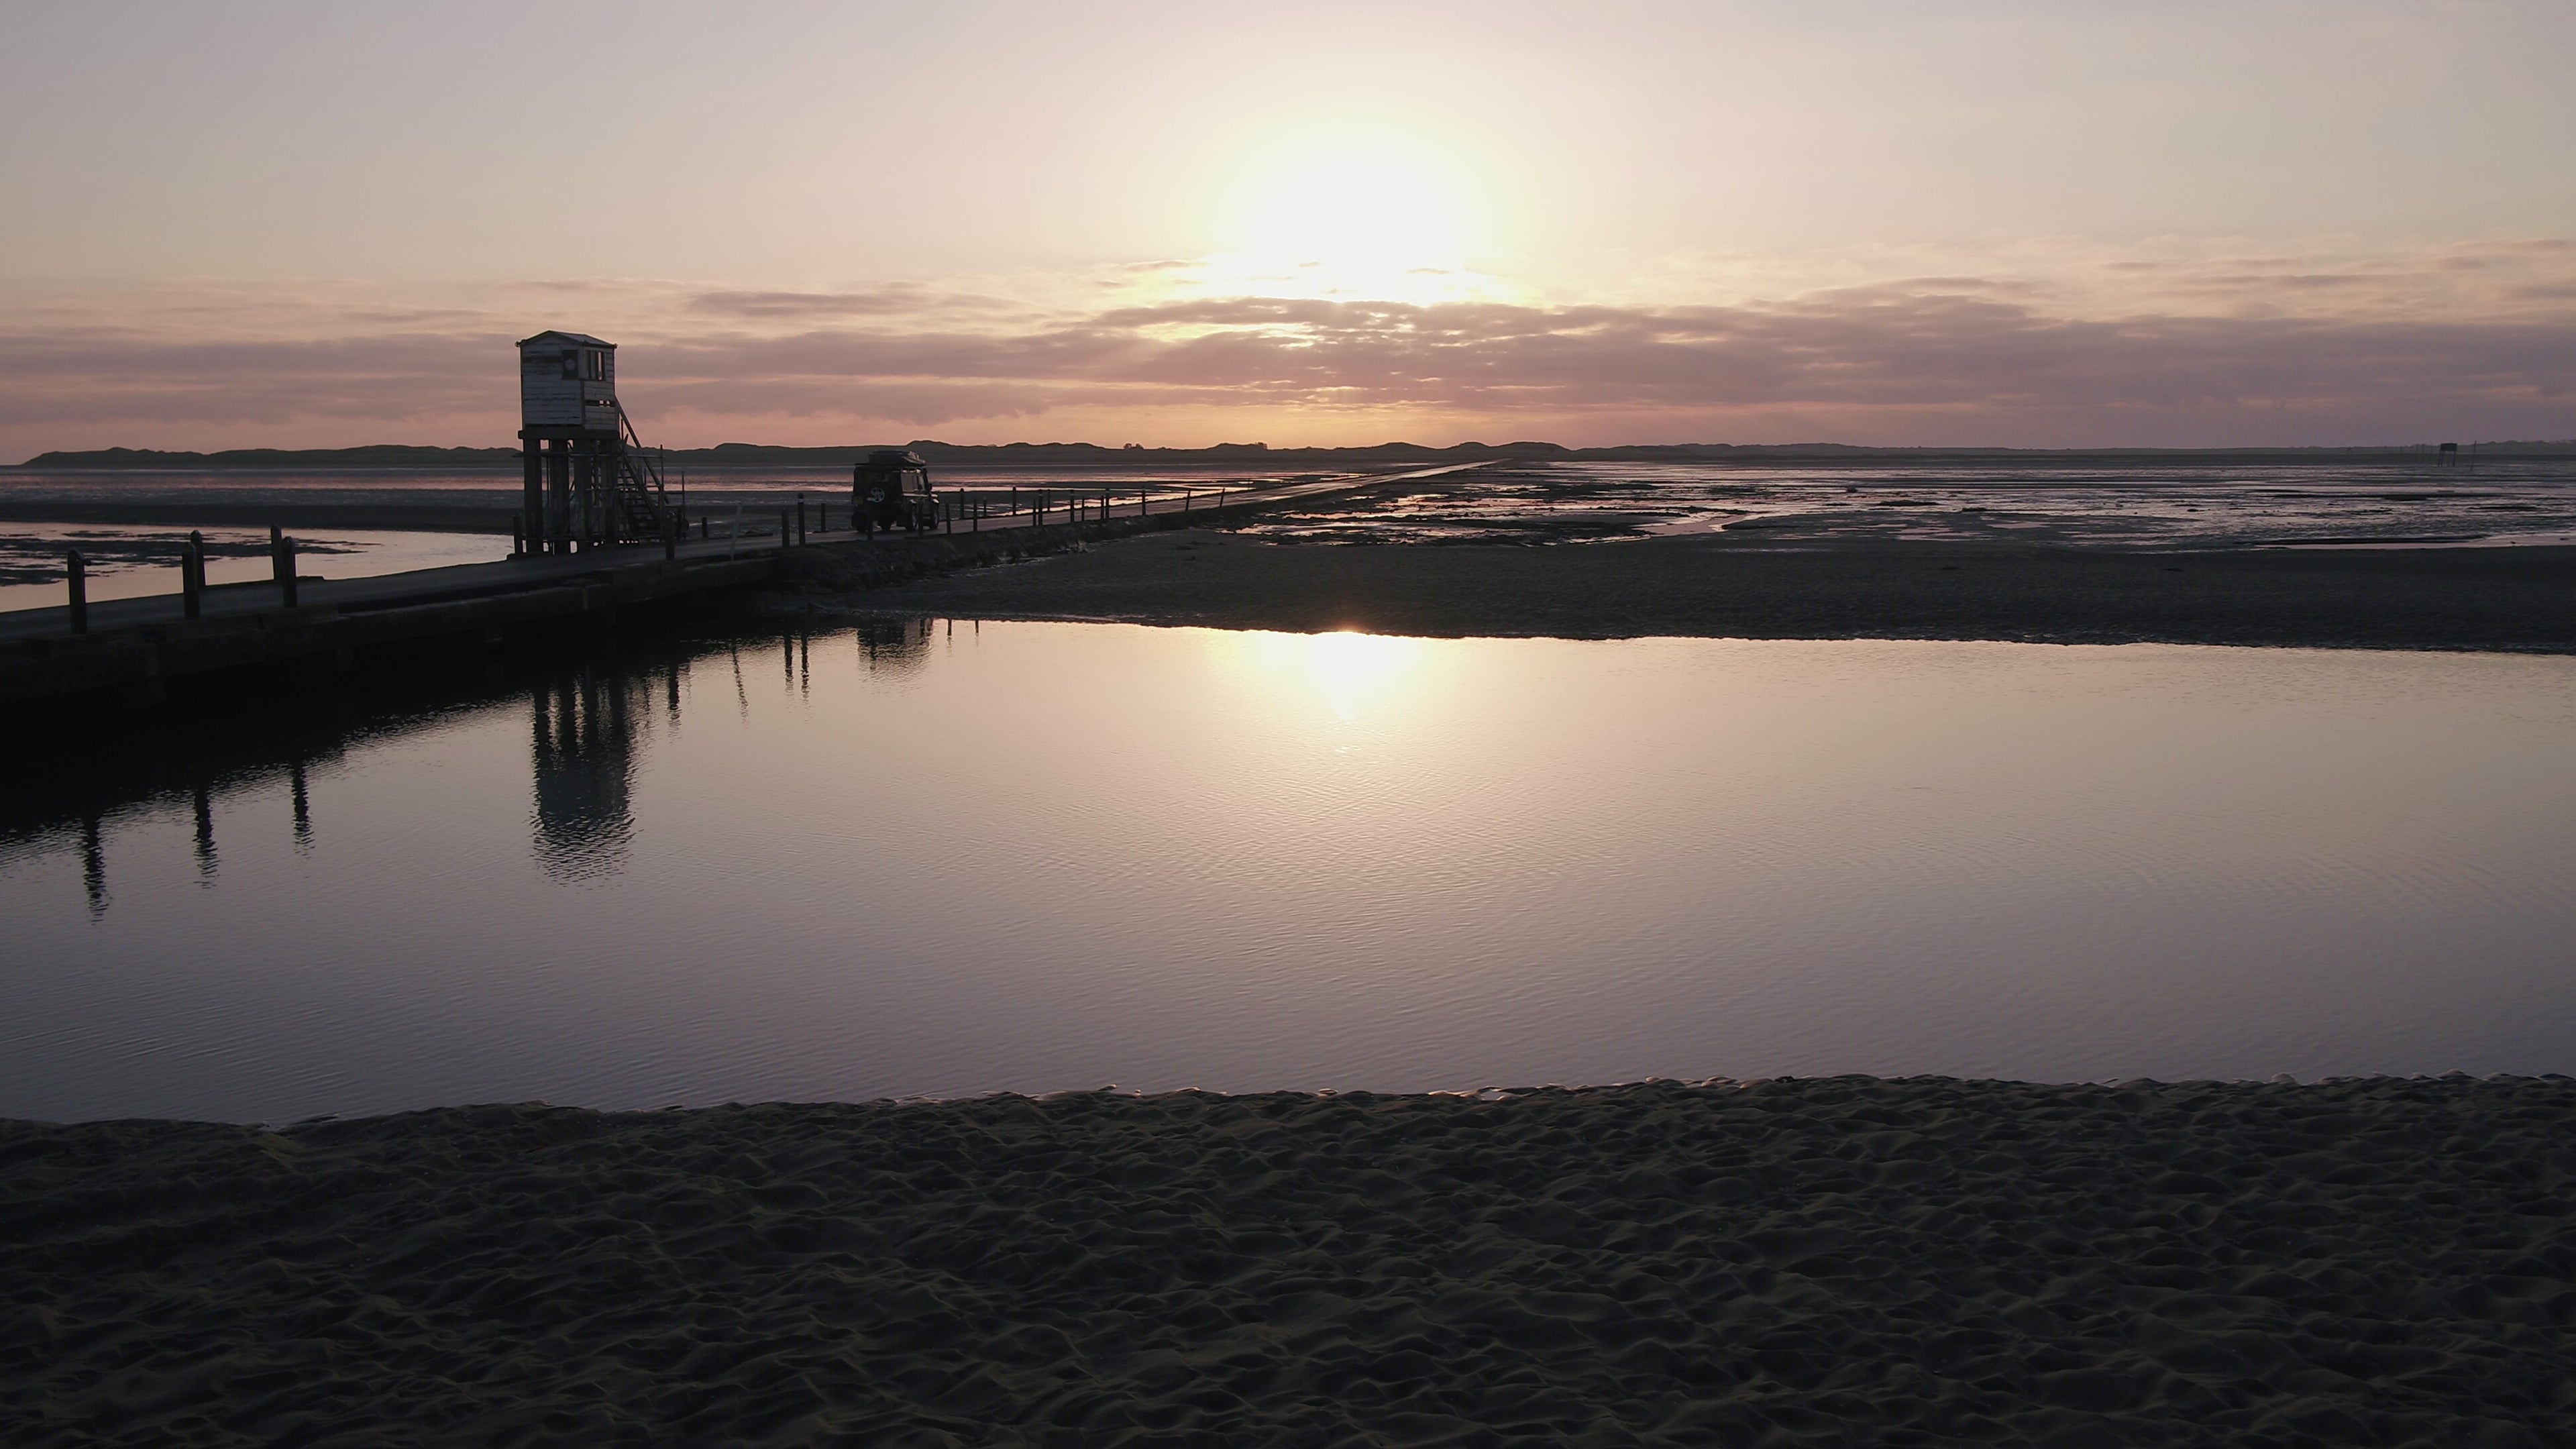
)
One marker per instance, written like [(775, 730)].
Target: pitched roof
[(583, 339)]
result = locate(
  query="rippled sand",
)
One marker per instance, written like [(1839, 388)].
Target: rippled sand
[(1838, 1261), (2138, 504)]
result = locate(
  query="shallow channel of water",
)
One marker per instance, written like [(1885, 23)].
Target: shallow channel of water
[(952, 858)]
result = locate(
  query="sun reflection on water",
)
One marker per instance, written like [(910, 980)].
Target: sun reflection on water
[(1349, 673)]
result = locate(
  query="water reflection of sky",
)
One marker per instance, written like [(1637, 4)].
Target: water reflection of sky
[(944, 858), (127, 561)]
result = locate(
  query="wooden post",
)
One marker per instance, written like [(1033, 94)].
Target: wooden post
[(281, 564), (78, 570), (800, 518), (192, 576), (532, 495), (518, 535), (671, 538), (1015, 500), (706, 526), (557, 532)]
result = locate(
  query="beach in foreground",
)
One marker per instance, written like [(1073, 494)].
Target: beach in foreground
[(1812, 1262)]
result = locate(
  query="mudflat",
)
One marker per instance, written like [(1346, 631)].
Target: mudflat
[(1840, 1261), (2513, 598)]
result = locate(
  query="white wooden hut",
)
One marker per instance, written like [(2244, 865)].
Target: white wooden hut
[(588, 482), (567, 386)]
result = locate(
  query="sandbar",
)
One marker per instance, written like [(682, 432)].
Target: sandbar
[(2513, 598)]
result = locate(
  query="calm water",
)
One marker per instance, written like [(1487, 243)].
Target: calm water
[(946, 859), (128, 561)]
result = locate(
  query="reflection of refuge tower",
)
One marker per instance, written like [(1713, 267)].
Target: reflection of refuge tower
[(584, 748), (588, 479)]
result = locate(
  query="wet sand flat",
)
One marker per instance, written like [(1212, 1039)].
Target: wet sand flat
[(2433, 598), (1816, 1262)]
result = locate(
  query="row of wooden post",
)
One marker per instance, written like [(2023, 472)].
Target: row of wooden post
[(794, 528), (976, 509), (791, 527), (192, 576)]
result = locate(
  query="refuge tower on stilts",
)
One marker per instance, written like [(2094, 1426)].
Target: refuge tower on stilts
[(588, 480)]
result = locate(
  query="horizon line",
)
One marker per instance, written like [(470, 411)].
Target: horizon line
[(1818, 445)]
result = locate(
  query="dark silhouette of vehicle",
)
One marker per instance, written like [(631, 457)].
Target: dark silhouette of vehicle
[(892, 490)]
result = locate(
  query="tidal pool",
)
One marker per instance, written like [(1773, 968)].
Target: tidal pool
[(942, 858)]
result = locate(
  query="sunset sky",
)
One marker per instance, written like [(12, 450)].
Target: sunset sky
[(2164, 222)]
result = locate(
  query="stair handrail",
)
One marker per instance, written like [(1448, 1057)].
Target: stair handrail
[(648, 460), (642, 467)]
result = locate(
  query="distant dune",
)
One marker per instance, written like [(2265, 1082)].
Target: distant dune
[(394, 456)]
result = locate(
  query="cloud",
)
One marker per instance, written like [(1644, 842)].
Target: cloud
[(131, 376), (809, 304), (889, 301), (2215, 349), (1855, 348)]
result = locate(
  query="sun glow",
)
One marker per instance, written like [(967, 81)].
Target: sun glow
[(1355, 213)]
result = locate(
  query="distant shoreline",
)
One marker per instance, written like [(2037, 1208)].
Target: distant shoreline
[(751, 456)]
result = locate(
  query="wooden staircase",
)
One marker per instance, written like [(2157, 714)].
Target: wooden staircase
[(639, 506)]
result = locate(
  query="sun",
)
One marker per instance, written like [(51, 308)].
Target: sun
[(1352, 212)]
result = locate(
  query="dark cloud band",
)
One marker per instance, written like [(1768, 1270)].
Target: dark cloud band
[(1933, 344)]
